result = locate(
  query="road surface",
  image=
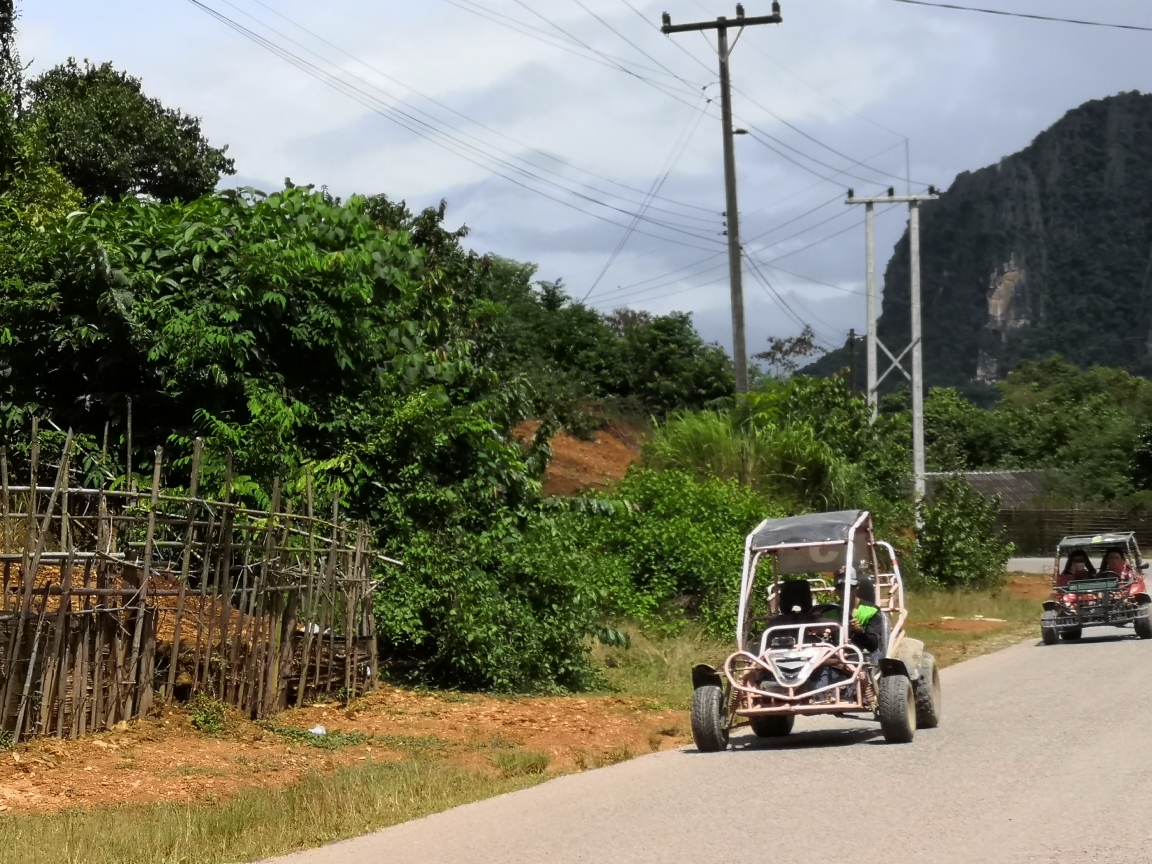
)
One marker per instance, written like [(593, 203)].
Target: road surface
[(1043, 755)]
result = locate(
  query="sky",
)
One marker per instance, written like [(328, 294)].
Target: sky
[(574, 135)]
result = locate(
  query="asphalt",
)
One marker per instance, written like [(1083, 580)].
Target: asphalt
[(1042, 755), (1030, 565)]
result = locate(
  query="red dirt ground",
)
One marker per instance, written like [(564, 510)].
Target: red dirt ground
[(1029, 586), (578, 465), (163, 758)]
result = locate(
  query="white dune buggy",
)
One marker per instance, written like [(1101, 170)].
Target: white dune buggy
[(797, 656)]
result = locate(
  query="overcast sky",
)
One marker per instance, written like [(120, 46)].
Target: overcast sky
[(546, 124)]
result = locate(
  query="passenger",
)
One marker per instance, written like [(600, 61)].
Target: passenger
[(866, 623), (1078, 566)]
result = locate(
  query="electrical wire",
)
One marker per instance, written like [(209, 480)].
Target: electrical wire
[(436, 136), (770, 290), (705, 223), (1006, 14), (816, 281), (678, 148), (778, 118), (450, 109)]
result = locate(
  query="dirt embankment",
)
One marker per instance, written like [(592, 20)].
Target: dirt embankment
[(578, 465), (163, 758)]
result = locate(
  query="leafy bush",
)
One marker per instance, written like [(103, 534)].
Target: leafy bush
[(678, 547), (207, 715), (960, 545), (331, 740)]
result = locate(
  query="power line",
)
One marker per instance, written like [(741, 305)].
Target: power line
[(815, 281), (780, 120), (436, 136), (450, 109), (1005, 14), (770, 290), (678, 149), (707, 223), (610, 61)]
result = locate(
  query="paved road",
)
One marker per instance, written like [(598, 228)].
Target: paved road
[(1043, 755), (1039, 566)]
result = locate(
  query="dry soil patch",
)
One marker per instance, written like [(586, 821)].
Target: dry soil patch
[(164, 758)]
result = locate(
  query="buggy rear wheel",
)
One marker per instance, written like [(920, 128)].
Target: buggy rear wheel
[(1142, 624), (927, 692), (1048, 633), (1072, 634), (773, 727), (709, 719), (897, 709)]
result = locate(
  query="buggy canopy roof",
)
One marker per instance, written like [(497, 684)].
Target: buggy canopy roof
[(822, 528), (815, 543), (1097, 541)]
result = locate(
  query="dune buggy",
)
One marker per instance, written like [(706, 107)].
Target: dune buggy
[(1092, 588), (796, 656)]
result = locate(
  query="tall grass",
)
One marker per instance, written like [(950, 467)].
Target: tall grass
[(659, 666), (785, 461), (253, 824)]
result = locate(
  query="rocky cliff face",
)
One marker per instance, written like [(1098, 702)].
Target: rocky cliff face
[(1049, 251)]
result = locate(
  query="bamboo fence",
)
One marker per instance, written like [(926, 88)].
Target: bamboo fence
[(114, 600)]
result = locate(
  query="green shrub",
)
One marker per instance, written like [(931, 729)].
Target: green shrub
[(679, 546), (207, 715), (960, 544), (329, 741)]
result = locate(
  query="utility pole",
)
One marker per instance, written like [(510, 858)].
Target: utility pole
[(732, 213), (916, 347)]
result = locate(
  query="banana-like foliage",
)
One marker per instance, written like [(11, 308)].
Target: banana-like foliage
[(805, 443)]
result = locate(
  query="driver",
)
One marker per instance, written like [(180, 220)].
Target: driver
[(1116, 562)]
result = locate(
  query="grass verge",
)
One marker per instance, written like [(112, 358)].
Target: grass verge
[(957, 626), (253, 824), (659, 666)]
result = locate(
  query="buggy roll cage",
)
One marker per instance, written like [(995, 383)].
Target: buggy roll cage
[(1100, 543), (838, 533)]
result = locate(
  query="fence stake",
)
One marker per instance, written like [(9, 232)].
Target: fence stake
[(140, 691), (185, 564)]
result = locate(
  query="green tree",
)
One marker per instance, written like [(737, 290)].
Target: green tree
[(960, 544), (109, 139)]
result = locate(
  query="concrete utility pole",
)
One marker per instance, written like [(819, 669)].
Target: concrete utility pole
[(916, 378), (732, 213)]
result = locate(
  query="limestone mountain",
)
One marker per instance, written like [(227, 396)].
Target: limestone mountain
[(1048, 251)]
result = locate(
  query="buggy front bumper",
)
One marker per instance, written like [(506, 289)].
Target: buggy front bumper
[(1094, 616)]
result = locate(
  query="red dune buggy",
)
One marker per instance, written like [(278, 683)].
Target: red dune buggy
[(1098, 581)]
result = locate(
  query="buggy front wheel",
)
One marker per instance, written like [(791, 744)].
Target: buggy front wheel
[(773, 727), (1142, 624), (897, 709), (709, 719), (1048, 632)]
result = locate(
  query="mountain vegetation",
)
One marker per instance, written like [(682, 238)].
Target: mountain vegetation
[(1049, 251)]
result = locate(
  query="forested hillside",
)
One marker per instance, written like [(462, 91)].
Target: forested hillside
[(1047, 251)]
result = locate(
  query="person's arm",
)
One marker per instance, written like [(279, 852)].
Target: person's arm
[(872, 635)]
